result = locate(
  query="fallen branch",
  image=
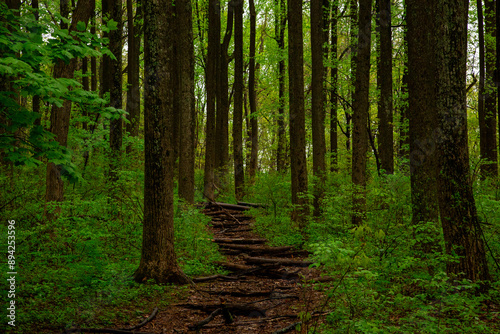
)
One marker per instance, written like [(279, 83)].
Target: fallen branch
[(200, 324), (239, 241), (237, 309), (284, 262), (142, 324), (253, 205), (288, 328), (257, 249), (102, 330), (228, 206), (214, 277)]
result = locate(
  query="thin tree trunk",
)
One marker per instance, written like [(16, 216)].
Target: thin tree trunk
[(280, 33), (360, 112), (158, 258), (60, 116), (404, 138), (239, 171), (133, 93), (461, 228), (113, 81), (297, 113), (385, 137), (353, 13), (318, 102), (333, 88), (252, 96)]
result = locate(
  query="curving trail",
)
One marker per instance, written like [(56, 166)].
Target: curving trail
[(265, 292)]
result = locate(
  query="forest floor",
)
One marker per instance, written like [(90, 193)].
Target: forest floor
[(267, 290)]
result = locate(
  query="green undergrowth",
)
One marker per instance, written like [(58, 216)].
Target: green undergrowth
[(76, 271), (382, 283)]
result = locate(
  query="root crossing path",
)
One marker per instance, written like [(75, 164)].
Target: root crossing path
[(268, 289)]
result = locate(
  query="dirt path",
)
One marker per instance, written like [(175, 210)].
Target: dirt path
[(264, 293)]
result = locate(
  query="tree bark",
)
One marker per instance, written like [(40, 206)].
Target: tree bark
[(222, 117), (252, 96), (461, 228), (158, 259), (239, 171), (113, 81), (422, 114), (333, 87), (280, 35), (59, 116), (318, 102), (353, 13), (211, 83), (133, 93), (297, 113), (187, 113), (489, 149), (385, 136), (360, 112)]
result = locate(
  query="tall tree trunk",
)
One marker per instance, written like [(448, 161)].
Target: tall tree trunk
[(252, 96), (239, 171), (297, 113), (158, 258), (222, 117), (386, 146), (318, 102), (333, 87), (59, 116), (461, 228), (187, 113), (490, 114), (113, 80), (133, 93), (280, 35), (353, 13), (422, 116), (404, 138), (85, 86), (211, 87), (36, 98), (360, 111)]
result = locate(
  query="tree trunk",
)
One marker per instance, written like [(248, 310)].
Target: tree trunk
[(360, 111), (133, 93), (239, 171), (318, 102), (353, 13), (222, 117), (187, 113), (59, 116), (280, 33), (297, 113), (333, 87), (158, 259), (422, 116), (490, 114), (113, 81), (252, 96), (211, 85), (461, 228), (404, 138), (385, 135)]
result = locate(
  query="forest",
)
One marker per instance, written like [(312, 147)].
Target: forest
[(279, 166)]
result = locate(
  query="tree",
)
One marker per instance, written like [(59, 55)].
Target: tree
[(318, 102), (297, 112), (487, 97), (112, 83), (239, 171), (333, 86), (134, 46), (252, 96), (60, 116), (222, 114), (185, 52), (421, 111), (384, 80), (211, 84), (280, 26), (158, 259), (360, 111), (353, 34), (461, 228)]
